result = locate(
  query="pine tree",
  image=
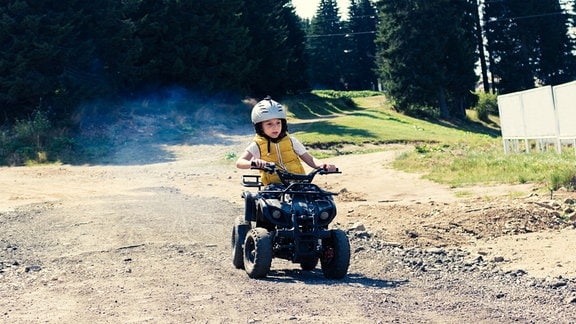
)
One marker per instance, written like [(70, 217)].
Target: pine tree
[(570, 7), (48, 59), (276, 48), (102, 25), (296, 76), (361, 57), (201, 45), (326, 47), (426, 55), (557, 63), (58, 54), (461, 56), (528, 44)]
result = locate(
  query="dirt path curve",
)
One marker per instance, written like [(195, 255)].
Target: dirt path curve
[(149, 243)]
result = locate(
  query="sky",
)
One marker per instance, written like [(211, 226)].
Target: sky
[(307, 8)]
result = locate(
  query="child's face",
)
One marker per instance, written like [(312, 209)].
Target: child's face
[(272, 128)]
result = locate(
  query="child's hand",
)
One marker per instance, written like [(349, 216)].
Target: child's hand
[(258, 163), (329, 167)]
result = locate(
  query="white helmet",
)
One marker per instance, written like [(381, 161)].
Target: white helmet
[(267, 109)]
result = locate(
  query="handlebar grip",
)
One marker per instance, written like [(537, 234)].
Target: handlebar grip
[(269, 167), (325, 170), (268, 164)]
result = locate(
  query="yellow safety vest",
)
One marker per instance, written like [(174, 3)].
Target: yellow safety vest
[(287, 160)]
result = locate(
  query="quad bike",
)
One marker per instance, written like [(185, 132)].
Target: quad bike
[(289, 221)]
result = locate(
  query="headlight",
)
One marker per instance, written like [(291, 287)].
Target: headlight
[(324, 215), (276, 214)]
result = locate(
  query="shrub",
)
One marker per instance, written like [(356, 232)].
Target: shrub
[(563, 178), (31, 140), (487, 105)]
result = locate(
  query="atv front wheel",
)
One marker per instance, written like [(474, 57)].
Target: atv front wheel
[(335, 257), (257, 252), (239, 231)]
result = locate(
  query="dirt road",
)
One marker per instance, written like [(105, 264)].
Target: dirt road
[(148, 242)]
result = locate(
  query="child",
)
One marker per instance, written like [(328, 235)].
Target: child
[(272, 143)]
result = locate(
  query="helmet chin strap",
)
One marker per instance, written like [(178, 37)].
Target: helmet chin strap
[(274, 140)]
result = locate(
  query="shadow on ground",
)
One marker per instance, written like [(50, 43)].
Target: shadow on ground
[(316, 277)]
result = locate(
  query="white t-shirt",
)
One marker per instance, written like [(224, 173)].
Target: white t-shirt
[(296, 144)]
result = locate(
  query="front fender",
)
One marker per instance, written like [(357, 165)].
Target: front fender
[(249, 206), (265, 208)]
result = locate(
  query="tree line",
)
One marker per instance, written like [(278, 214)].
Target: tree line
[(429, 51), (423, 54), (57, 54)]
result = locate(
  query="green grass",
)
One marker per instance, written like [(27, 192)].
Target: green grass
[(369, 120), (458, 154), (484, 162)]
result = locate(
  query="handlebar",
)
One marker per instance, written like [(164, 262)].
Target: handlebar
[(270, 167), (288, 177)]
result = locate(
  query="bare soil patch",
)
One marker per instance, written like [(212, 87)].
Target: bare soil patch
[(145, 238)]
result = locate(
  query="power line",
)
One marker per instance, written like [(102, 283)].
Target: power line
[(491, 20), (342, 34), (345, 20), (529, 16)]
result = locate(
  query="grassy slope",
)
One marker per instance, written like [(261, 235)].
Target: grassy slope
[(459, 154)]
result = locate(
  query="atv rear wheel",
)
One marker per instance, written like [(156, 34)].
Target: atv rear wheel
[(335, 257), (257, 252), (241, 227)]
